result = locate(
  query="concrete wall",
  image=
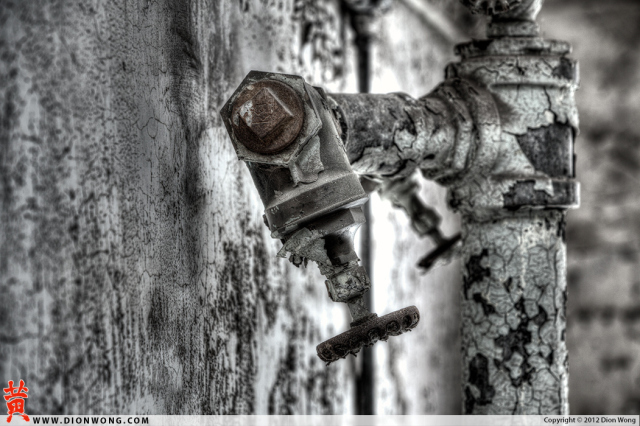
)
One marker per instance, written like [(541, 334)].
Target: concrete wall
[(135, 270)]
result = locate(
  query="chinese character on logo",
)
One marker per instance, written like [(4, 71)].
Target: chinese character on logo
[(15, 400)]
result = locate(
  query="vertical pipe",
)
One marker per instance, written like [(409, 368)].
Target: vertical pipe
[(513, 314), (365, 402), (514, 291), (513, 145)]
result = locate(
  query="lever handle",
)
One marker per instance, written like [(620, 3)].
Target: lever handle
[(403, 193), (368, 333), (447, 249)]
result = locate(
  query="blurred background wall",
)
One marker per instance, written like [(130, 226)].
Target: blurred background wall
[(136, 274), (603, 246)]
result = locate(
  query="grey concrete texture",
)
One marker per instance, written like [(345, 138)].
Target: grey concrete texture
[(135, 270)]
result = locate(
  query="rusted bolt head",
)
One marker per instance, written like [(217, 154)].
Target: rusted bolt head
[(270, 117), (267, 116)]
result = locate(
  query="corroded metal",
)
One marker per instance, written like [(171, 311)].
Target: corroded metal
[(367, 6), (514, 293), (393, 135), (446, 250), (311, 176), (368, 333), (425, 221), (267, 116), (511, 118), (515, 11), (292, 143), (277, 138), (499, 134)]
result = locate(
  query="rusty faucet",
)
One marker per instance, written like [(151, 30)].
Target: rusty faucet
[(288, 134)]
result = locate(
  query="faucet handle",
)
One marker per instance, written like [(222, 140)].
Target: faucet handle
[(446, 250), (425, 221), (368, 332)]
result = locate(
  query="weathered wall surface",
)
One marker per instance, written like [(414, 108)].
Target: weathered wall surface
[(135, 271), (603, 252)]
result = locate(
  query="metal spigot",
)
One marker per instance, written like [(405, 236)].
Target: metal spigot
[(288, 135)]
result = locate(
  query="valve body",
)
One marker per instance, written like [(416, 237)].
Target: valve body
[(288, 134)]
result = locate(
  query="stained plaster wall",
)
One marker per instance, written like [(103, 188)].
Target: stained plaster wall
[(135, 270)]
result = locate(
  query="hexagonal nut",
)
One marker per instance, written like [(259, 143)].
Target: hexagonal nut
[(270, 117)]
